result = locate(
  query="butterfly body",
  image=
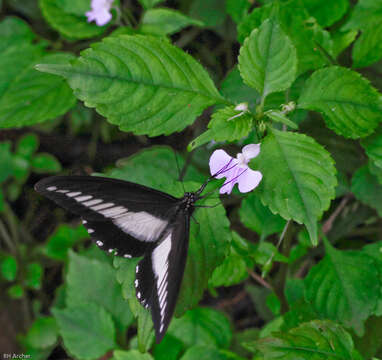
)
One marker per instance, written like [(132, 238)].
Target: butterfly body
[(132, 220)]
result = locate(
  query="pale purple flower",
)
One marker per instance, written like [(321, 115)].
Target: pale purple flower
[(100, 12), (236, 170)]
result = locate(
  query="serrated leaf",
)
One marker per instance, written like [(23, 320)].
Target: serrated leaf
[(268, 60), (344, 287), (367, 189), (8, 267), (327, 13), (46, 96), (63, 238), (130, 355), (159, 90), (89, 280), (306, 35), (68, 24), (87, 330), (226, 124), (314, 340), (169, 349), (164, 21), (367, 49), (259, 218), (373, 146), (202, 326), (43, 333), (308, 178), (351, 106)]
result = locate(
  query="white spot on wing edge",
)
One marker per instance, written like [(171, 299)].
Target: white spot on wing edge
[(62, 191), (101, 206), (51, 188), (83, 198), (90, 231), (99, 243), (92, 202), (71, 194)]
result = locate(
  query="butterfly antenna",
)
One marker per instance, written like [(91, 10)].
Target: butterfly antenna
[(180, 173)]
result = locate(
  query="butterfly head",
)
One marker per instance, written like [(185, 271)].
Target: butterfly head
[(189, 200)]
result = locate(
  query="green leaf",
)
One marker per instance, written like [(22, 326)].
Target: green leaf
[(89, 280), (328, 12), (373, 146), (78, 7), (45, 163), (45, 97), (14, 30), (159, 90), (68, 24), (87, 330), (130, 355), (204, 352), (368, 49), (43, 333), (370, 344), (294, 290), (226, 124), (308, 178), (165, 21), (147, 4), (365, 13), (344, 286), (237, 9), (6, 162), (63, 238), (211, 13), (234, 89), (8, 267), (202, 326), (27, 145), (306, 35), (268, 60), (313, 340), (279, 116), (169, 349), (34, 273), (350, 105), (257, 217), (341, 40), (232, 271), (15, 291), (367, 189)]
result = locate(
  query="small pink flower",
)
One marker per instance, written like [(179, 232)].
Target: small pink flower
[(236, 170), (100, 12)]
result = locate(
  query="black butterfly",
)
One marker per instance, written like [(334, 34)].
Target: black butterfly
[(132, 220)]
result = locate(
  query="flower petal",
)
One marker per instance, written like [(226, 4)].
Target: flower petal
[(249, 180), (250, 151), (218, 160), (232, 176), (103, 17)]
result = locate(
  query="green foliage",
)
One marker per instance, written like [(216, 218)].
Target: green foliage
[(165, 21), (149, 93), (351, 107), (268, 60), (151, 71), (314, 340), (61, 17), (308, 177), (226, 124), (87, 330), (345, 286)]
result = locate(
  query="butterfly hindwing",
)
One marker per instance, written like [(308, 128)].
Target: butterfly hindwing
[(160, 273), (138, 211)]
